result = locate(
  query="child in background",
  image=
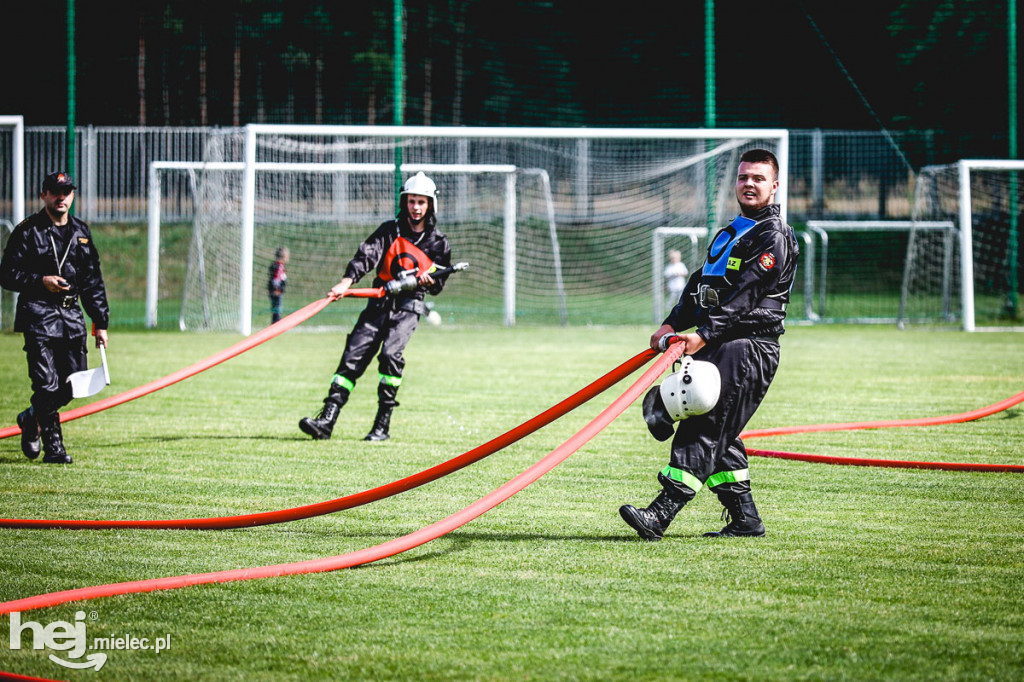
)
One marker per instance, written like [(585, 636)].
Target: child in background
[(676, 274), (276, 282)]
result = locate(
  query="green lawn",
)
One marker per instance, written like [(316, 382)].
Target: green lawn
[(866, 574)]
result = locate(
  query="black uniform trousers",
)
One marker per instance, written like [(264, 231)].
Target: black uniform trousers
[(708, 446), (50, 362), (384, 329)]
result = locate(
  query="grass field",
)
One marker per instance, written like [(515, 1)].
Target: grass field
[(866, 573)]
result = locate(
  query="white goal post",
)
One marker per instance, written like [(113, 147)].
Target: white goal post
[(692, 258), (983, 197), (153, 212), (16, 126), (967, 166)]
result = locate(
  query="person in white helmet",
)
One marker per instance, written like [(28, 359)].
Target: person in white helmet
[(410, 243), (735, 305)]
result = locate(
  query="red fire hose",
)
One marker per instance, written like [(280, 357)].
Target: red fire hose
[(357, 499), (439, 528), (892, 423), (886, 424), (382, 551), (250, 342)]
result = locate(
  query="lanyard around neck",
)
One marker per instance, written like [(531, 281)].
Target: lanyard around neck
[(60, 261)]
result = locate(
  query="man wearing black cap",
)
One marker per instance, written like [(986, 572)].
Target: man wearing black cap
[(52, 262)]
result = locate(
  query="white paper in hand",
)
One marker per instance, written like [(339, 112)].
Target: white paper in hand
[(91, 381)]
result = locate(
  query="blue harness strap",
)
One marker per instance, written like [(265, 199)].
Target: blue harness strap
[(723, 243)]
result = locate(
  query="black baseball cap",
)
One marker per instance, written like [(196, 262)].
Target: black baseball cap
[(58, 180)]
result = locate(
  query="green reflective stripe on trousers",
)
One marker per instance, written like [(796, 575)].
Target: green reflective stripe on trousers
[(684, 477), (390, 380), (344, 382), (729, 477)]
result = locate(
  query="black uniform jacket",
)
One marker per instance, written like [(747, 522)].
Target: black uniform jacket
[(370, 256), (743, 287), (30, 255)]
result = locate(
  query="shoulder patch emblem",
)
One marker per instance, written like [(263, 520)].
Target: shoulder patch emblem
[(767, 260), (83, 240)]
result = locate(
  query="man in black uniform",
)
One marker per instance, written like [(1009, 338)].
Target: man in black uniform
[(52, 262), (737, 302), (411, 242)]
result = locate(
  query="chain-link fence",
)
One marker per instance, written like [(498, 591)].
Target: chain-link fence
[(834, 174)]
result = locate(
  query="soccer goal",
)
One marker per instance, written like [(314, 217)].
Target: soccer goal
[(853, 269), (555, 223), (980, 280), (198, 266)]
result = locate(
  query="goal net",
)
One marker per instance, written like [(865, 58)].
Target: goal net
[(853, 269), (556, 224), (977, 281)]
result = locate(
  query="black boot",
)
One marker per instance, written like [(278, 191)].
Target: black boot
[(381, 424), (29, 433), (387, 395), (321, 426), (650, 523), (741, 512), (53, 444)]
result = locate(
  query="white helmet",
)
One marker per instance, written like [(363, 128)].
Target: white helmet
[(422, 185), (692, 391)]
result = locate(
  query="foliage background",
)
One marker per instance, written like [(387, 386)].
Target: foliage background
[(902, 65)]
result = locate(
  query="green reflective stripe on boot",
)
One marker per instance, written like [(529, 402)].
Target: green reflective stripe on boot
[(684, 477), (729, 477), (390, 380), (344, 382)]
